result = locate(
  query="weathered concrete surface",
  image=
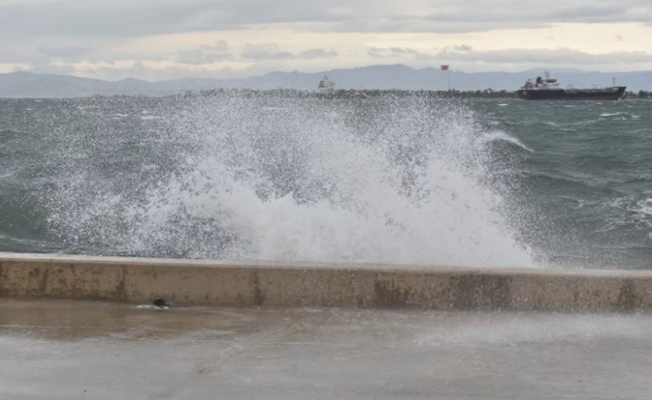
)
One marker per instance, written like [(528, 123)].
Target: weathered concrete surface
[(91, 350), (186, 282)]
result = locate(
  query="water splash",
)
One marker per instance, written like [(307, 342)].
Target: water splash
[(395, 180), (502, 136)]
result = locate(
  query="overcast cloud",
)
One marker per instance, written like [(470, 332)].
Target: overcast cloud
[(172, 38)]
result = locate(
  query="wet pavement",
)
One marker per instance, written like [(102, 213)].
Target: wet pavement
[(93, 350)]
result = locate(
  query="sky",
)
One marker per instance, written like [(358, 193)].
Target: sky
[(168, 39)]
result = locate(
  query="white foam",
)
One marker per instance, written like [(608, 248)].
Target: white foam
[(622, 115), (7, 174), (317, 183), (500, 135)]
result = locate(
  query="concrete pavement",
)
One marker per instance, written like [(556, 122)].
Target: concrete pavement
[(58, 349)]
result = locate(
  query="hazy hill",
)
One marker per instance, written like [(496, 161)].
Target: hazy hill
[(25, 84)]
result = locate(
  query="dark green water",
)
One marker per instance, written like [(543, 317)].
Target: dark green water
[(412, 180)]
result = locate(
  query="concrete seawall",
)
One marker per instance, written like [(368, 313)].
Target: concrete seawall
[(189, 283)]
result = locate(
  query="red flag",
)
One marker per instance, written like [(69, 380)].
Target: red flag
[(444, 67)]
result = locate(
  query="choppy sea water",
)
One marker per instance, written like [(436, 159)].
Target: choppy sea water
[(394, 180)]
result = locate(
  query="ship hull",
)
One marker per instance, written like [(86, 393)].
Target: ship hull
[(614, 93)]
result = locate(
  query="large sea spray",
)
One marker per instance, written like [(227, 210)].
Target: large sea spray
[(394, 180)]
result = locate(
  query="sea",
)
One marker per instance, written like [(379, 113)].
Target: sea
[(403, 180)]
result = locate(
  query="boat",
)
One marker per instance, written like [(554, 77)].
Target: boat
[(326, 87), (548, 89)]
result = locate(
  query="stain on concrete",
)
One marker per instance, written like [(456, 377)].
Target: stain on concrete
[(628, 299), (121, 288), (388, 294), (3, 279), (471, 292), (44, 281), (576, 296), (259, 296)]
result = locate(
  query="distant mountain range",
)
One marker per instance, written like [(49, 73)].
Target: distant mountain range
[(32, 85)]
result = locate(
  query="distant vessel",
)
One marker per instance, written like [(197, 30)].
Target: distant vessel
[(548, 89), (326, 87)]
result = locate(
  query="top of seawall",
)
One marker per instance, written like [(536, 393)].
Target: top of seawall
[(228, 283)]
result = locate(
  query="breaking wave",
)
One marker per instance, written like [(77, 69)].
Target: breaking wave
[(396, 180)]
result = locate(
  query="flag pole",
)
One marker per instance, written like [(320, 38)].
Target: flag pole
[(448, 74)]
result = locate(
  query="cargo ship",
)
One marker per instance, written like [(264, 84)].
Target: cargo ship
[(548, 89)]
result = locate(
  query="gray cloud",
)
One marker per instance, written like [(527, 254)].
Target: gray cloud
[(543, 56), (462, 47), (424, 25), (551, 11), (122, 18), (50, 68), (589, 13), (40, 55), (317, 53), (141, 71), (265, 51), (44, 52), (390, 52), (126, 18), (466, 55), (205, 54), (271, 51), (63, 51), (47, 33)]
